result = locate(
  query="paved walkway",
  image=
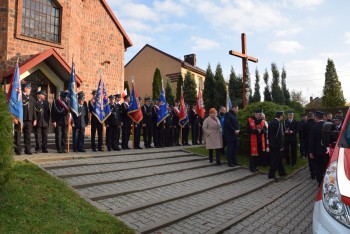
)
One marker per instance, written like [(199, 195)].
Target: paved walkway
[(173, 191)]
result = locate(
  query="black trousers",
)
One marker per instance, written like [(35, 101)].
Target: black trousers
[(194, 131), (40, 138), (161, 135), (320, 164), (147, 135), (276, 163), (96, 126), (137, 135), (291, 150), (78, 139), (200, 135), (169, 136), (61, 137), (176, 134), (217, 155), (112, 138), (17, 138), (231, 152), (155, 135), (302, 146), (185, 132), (126, 135), (27, 130)]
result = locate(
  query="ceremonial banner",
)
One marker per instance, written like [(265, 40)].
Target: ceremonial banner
[(163, 109), (72, 96), (183, 117), (199, 104), (124, 93), (134, 111), (14, 97), (101, 108)]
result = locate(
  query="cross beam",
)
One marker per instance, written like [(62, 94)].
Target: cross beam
[(245, 58)]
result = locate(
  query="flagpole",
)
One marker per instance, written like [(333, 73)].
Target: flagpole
[(133, 135)]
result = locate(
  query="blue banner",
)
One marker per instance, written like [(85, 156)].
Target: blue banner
[(163, 109), (14, 97), (101, 107), (72, 96)]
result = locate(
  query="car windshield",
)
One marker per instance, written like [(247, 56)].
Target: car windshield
[(344, 140)]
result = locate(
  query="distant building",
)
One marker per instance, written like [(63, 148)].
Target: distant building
[(144, 63), (314, 103), (48, 33)]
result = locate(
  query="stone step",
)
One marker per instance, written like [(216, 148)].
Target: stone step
[(114, 167), (79, 182), (116, 159), (161, 215), (114, 190)]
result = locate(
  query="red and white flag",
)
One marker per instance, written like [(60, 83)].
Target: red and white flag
[(199, 104)]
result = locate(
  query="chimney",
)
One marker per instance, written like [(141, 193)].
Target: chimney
[(311, 99), (191, 59)]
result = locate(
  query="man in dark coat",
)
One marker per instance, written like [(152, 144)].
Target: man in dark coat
[(79, 123), (29, 120), (186, 128), (43, 115), (155, 109), (176, 126), (306, 133), (317, 151), (60, 116), (231, 131), (147, 123), (169, 130), (118, 107), (96, 125), (302, 137), (112, 125), (276, 143), (126, 123), (194, 122), (291, 130)]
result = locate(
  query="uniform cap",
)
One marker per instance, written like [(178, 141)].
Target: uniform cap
[(126, 96), (94, 92), (63, 94), (111, 97), (279, 114), (258, 111), (118, 95), (319, 114), (290, 112), (42, 92), (27, 85)]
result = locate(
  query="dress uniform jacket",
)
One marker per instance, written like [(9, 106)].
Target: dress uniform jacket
[(43, 113), (148, 125)]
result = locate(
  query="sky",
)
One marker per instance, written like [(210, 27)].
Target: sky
[(297, 34)]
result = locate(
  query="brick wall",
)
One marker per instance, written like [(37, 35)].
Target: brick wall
[(88, 33), (3, 34)]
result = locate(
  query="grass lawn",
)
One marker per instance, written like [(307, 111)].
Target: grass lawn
[(35, 202), (243, 160)]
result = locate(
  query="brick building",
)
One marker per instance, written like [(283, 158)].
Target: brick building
[(48, 33), (144, 63)]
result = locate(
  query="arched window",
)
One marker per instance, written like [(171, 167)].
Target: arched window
[(41, 19)]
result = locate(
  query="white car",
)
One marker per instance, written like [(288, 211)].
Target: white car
[(332, 207)]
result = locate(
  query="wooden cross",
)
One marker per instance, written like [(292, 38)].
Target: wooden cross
[(245, 59)]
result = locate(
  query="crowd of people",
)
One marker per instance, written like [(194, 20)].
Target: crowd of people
[(270, 142)]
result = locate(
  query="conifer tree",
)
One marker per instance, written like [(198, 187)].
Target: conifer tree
[(284, 87), (248, 86), (257, 96), (332, 91), (276, 91), (231, 84), (169, 96), (220, 88), (267, 93), (208, 91), (239, 91), (189, 89), (179, 83), (157, 84)]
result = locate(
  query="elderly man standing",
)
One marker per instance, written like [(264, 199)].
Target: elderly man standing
[(291, 130), (43, 114), (231, 131)]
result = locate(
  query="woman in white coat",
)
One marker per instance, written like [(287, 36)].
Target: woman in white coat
[(213, 138)]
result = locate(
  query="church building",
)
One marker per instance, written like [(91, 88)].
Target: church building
[(145, 62), (47, 35)]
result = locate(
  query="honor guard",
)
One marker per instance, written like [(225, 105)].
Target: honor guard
[(79, 123), (291, 130), (169, 130), (60, 116), (276, 141), (112, 124), (176, 111), (118, 105), (155, 110), (96, 125), (43, 115), (147, 123), (126, 123), (194, 125), (186, 129)]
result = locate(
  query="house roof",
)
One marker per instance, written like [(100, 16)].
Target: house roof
[(127, 41), (52, 59), (183, 63)]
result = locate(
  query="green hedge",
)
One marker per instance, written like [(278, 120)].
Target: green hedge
[(6, 140), (269, 108)]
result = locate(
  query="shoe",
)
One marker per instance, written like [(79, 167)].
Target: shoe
[(94, 150), (211, 161), (29, 153), (138, 147), (64, 151), (45, 151), (82, 151), (101, 150), (18, 153), (109, 149), (117, 149), (218, 163), (275, 177), (37, 152), (75, 151), (150, 146), (60, 151), (231, 165)]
